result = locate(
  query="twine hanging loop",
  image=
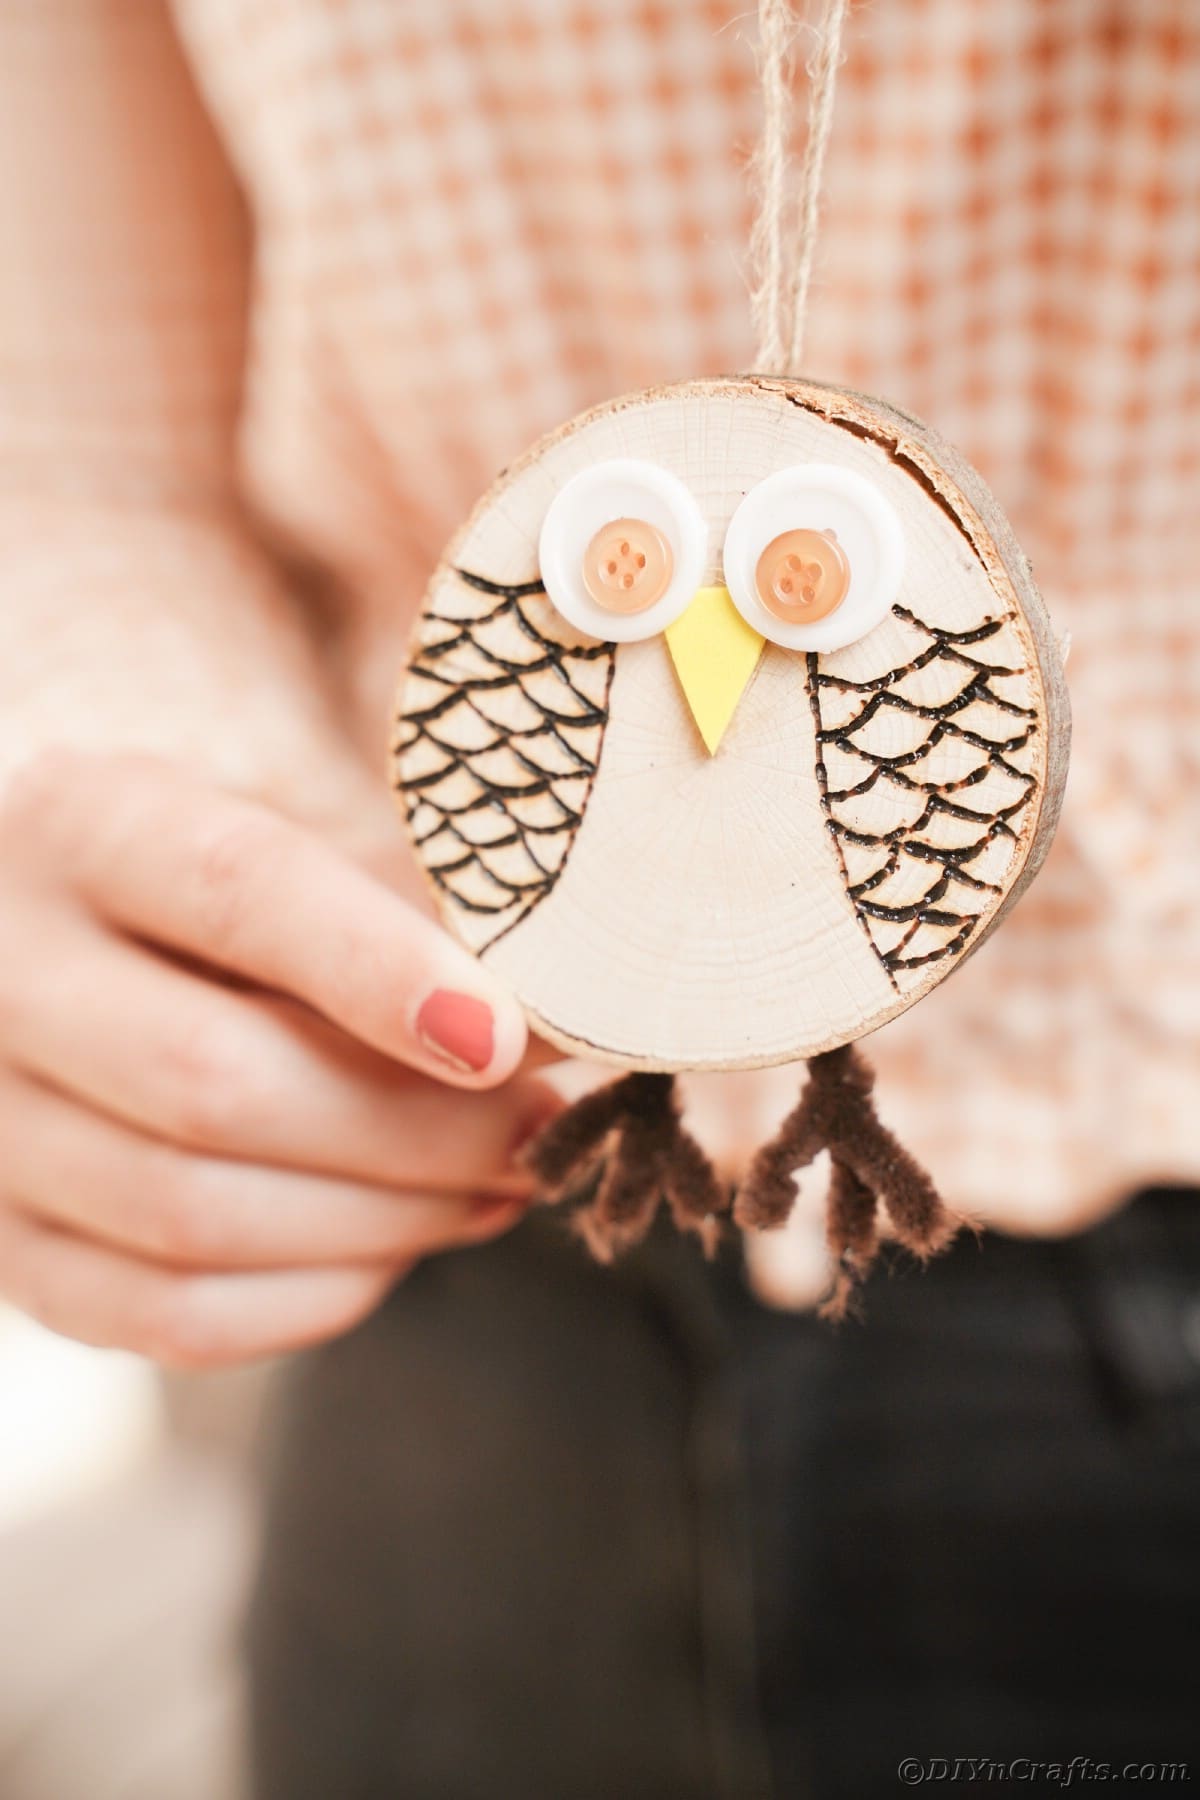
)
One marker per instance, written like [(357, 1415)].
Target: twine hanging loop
[(784, 238)]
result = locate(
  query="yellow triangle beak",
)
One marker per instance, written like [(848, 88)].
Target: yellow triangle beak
[(715, 653)]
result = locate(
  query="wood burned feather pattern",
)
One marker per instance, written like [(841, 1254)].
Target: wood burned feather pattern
[(498, 746), (926, 771)]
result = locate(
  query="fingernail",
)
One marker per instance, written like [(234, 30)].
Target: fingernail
[(458, 1028)]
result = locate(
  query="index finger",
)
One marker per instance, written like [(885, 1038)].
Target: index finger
[(224, 879)]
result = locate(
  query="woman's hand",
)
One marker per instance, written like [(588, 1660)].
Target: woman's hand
[(243, 1086)]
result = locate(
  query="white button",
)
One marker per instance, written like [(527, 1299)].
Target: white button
[(622, 492), (840, 505)]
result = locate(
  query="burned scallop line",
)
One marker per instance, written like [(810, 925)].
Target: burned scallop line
[(831, 823), (509, 743), (507, 590), (971, 695), (977, 634), (516, 837), (957, 943), (951, 862), (570, 731)]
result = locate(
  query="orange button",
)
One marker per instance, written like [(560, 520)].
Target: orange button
[(627, 566), (802, 576)]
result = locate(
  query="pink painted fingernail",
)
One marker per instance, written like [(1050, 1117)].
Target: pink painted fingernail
[(457, 1028)]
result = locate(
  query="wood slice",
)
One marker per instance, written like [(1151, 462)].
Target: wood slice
[(869, 816)]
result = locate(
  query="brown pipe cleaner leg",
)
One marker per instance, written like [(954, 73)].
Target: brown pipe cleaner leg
[(836, 1113), (631, 1137), (623, 1149), (852, 1236)]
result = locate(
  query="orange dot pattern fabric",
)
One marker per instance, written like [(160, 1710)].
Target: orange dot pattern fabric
[(301, 275)]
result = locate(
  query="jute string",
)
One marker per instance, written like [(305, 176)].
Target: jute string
[(784, 240)]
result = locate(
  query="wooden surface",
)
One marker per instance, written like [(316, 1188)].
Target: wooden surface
[(870, 813)]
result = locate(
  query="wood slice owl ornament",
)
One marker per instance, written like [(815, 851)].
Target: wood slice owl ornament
[(733, 723)]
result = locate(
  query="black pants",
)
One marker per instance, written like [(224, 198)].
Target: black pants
[(555, 1532)]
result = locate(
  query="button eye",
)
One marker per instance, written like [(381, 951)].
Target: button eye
[(802, 576), (814, 557), (623, 549), (627, 566)]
